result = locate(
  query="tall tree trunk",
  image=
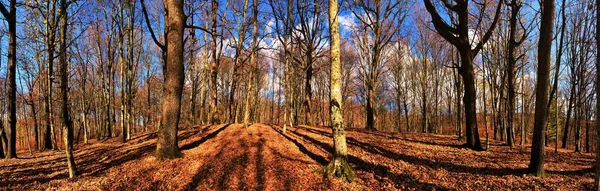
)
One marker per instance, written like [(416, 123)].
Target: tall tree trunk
[(568, 117), (370, 125), (536, 164), (204, 84), (469, 99), (12, 71), (166, 146), (253, 64), (523, 127), (557, 70), (458, 110), (339, 165), (511, 70), (597, 175), (2, 140), (122, 64), (36, 132), (587, 128), (64, 87), (241, 30), (215, 62), (308, 92)]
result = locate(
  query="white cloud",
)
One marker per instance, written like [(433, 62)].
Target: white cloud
[(347, 22)]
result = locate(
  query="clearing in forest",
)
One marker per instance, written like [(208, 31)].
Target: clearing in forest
[(262, 157)]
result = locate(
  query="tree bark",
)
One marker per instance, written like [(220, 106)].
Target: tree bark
[(308, 92), (469, 99), (64, 87), (253, 63), (10, 16), (215, 62), (597, 174), (536, 165), (511, 69), (339, 165), (2, 140), (166, 146)]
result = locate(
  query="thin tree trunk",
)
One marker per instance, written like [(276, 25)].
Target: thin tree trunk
[(215, 62), (597, 125)]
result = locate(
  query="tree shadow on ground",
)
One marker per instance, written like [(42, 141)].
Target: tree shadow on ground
[(439, 164), (228, 160), (451, 167), (381, 172), (434, 141), (204, 139), (90, 161)]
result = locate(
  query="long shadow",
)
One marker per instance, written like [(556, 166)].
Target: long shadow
[(581, 172), (323, 132), (105, 158), (205, 170), (428, 163), (260, 166), (460, 146), (230, 166), (203, 139), (382, 172), (280, 155), (318, 158)]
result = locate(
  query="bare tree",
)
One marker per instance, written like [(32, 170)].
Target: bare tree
[(381, 23), (458, 35)]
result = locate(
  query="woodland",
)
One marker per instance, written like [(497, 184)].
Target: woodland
[(299, 95)]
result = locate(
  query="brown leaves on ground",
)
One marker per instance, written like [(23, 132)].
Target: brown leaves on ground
[(261, 157)]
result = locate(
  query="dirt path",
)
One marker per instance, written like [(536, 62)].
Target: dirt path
[(261, 157)]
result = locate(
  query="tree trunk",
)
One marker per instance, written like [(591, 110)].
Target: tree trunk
[(339, 165), (511, 70), (536, 164), (568, 117), (166, 146), (458, 106), (2, 140), (253, 64), (215, 63), (523, 127), (194, 79), (308, 92), (597, 175), (64, 87), (36, 132), (12, 85), (469, 99), (370, 125)]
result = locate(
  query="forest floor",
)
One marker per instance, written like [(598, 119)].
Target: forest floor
[(261, 157)]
